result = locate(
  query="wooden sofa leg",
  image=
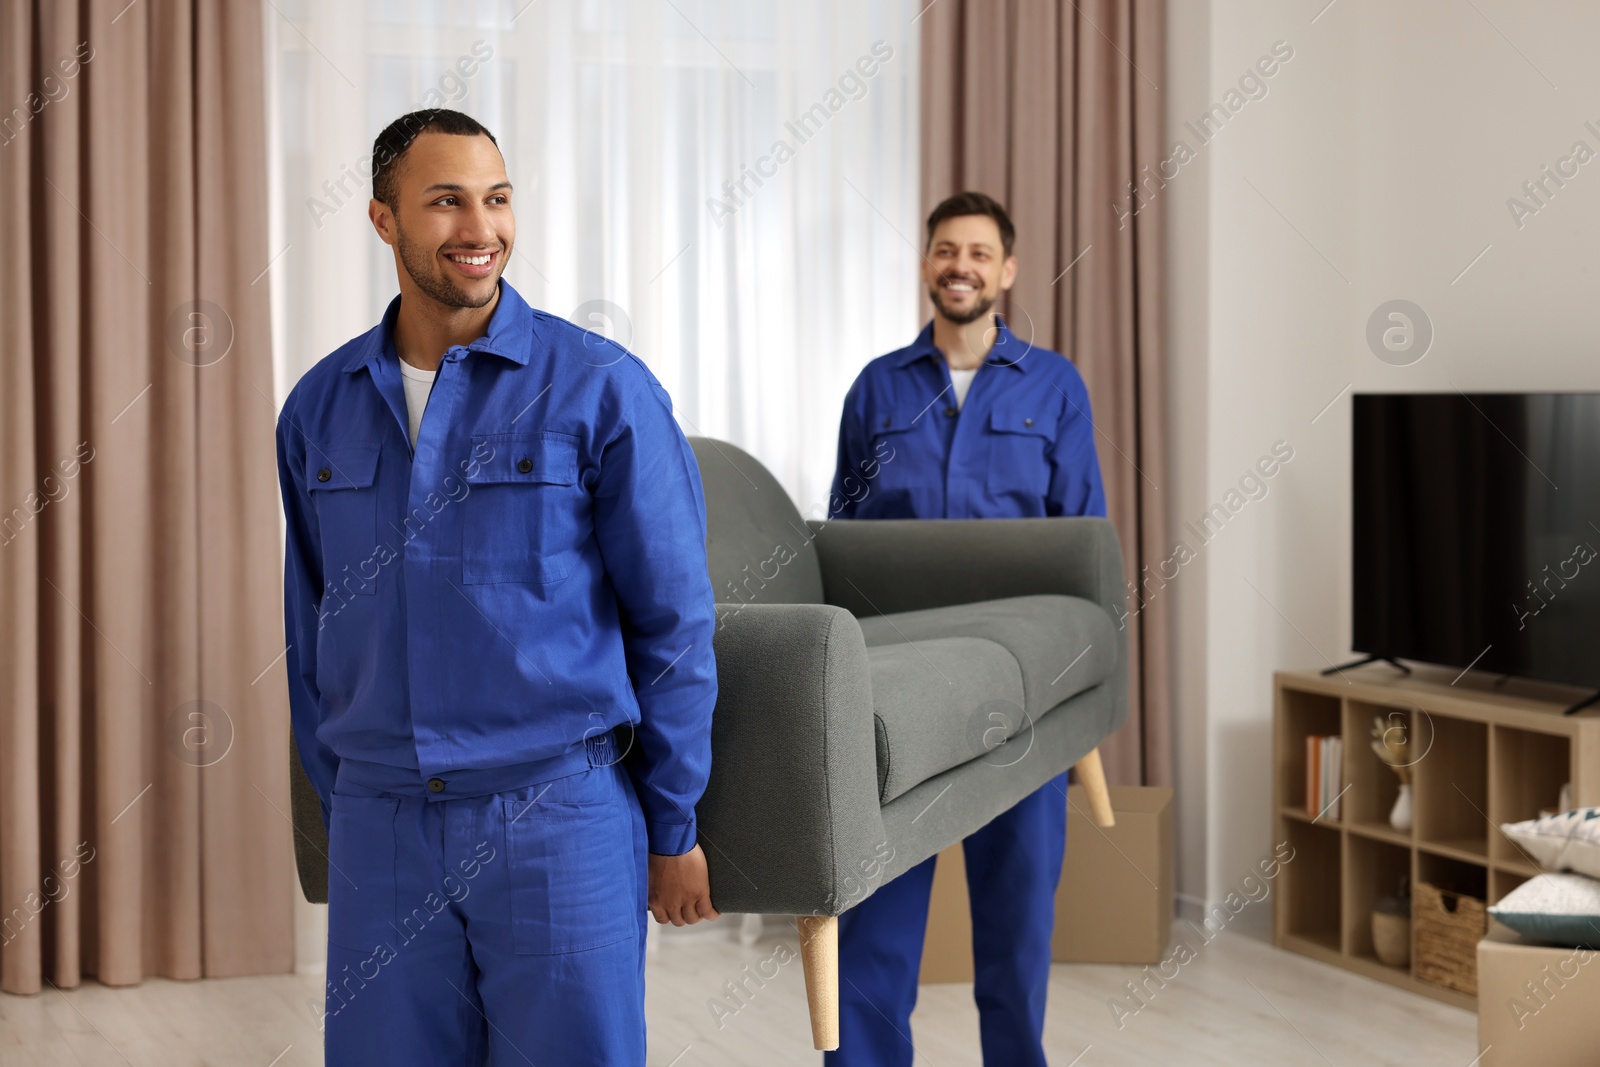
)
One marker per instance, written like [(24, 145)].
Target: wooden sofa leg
[(819, 958), (1092, 776)]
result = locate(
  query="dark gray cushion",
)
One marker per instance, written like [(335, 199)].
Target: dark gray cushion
[(936, 704), (758, 548), (1064, 644), (950, 806)]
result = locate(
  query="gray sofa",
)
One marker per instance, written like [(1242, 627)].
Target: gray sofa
[(885, 689)]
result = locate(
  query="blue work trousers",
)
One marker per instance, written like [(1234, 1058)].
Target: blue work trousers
[(483, 916), (1013, 866)]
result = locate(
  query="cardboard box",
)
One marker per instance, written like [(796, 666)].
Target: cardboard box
[(1536, 1003), (1114, 903), (947, 949)]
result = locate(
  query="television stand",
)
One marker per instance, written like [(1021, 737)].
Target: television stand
[(1481, 757), (1580, 705), (1369, 659)]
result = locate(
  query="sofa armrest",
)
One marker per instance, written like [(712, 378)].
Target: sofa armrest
[(883, 566), (791, 812), (310, 835)]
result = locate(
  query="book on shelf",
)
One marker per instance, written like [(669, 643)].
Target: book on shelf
[(1313, 771), (1324, 775)]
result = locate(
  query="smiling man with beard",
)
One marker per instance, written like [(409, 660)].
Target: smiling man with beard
[(978, 424), (507, 719)]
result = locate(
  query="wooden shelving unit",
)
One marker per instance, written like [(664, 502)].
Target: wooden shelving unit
[(1491, 756)]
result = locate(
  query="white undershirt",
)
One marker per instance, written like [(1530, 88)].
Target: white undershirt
[(418, 384), (962, 380)]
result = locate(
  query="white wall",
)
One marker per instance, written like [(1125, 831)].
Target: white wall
[(1377, 166)]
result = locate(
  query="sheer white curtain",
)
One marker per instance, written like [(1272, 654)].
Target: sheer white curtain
[(730, 188)]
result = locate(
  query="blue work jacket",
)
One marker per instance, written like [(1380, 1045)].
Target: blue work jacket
[(1021, 445), (532, 575)]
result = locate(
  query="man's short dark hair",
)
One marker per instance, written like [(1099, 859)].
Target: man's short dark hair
[(390, 147), (973, 204)]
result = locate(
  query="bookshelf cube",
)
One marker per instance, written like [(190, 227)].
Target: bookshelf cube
[(1482, 756)]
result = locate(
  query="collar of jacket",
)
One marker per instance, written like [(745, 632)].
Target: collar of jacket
[(1008, 350), (506, 337)]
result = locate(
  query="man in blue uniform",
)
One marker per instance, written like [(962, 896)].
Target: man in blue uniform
[(500, 662), (980, 424)]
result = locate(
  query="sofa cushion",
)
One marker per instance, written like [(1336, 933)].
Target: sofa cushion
[(1064, 645), (931, 702)]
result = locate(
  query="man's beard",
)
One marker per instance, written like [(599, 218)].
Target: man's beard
[(429, 277), (979, 309)]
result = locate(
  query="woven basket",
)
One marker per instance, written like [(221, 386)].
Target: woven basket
[(1448, 927)]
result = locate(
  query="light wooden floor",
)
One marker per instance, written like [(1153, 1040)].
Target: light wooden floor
[(1241, 1002)]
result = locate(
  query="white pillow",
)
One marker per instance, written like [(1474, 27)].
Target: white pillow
[(1563, 908), (1568, 840)]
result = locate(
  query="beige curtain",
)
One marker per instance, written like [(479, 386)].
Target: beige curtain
[(143, 721), (1053, 109)]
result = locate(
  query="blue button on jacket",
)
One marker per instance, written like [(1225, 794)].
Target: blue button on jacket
[(532, 575), (1021, 445)]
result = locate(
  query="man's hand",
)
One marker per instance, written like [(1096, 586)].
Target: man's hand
[(680, 890)]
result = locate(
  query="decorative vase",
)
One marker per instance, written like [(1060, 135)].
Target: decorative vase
[(1391, 938), (1400, 814)]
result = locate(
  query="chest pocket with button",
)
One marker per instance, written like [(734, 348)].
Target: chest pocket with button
[(525, 516), (341, 482), (1021, 433), (905, 444)]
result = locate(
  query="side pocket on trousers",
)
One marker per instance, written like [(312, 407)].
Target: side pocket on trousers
[(571, 859), (361, 875)]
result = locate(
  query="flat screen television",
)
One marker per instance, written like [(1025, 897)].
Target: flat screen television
[(1477, 532)]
